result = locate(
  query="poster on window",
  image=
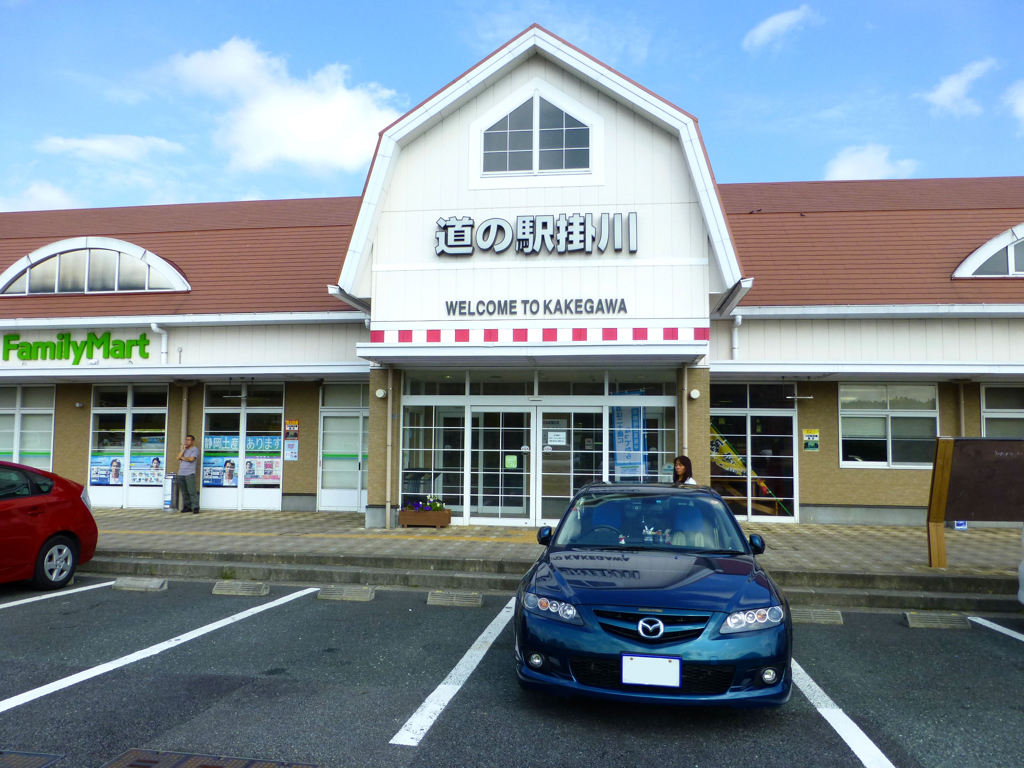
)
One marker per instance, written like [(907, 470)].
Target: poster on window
[(220, 471), (263, 472), (146, 469), (628, 441), (105, 470)]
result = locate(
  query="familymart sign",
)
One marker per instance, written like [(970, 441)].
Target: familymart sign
[(65, 347)]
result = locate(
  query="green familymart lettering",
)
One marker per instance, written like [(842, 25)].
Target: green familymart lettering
[(67, 348)]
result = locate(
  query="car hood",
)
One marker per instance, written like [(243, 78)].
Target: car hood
[(652, 578)]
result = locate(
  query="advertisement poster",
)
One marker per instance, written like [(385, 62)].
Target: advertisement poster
[(220, 471), (291, 440), (628, 441), (262, 472), (146, 469), (812, 439), (105, 470)]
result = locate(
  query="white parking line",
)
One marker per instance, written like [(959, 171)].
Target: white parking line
[(865, 749), (996, 627), (416, 727), (59, 593), (153, 650)]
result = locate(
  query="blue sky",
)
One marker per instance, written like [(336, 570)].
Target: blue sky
[(138, 102)]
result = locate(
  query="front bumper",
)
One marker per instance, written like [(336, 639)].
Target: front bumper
[(715, 669)]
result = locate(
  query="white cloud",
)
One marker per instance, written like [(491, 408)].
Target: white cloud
[(108, 147), (950, 95), (869, 161), (39, 196), (320, 123), (1014, 99), (774, 28)]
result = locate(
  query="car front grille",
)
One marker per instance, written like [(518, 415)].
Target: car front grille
[(697, 679), (678, 626)]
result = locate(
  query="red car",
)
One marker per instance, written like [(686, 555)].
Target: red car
[(46, 526)]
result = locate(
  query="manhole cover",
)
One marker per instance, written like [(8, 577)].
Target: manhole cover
[(816, 615), (247, 588), (357, 592), (27, 760), (456, 599), (934, 620), (144, 758)]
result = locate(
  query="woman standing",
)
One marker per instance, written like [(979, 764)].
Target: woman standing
[(682, 471)]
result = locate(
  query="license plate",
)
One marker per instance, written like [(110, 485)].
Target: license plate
[(651, 670)]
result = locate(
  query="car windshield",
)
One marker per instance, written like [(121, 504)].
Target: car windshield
[(669, 520)]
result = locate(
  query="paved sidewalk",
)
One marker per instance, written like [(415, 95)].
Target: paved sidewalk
[(791, 547)]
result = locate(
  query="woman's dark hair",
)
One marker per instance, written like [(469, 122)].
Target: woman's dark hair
[(687, 472)]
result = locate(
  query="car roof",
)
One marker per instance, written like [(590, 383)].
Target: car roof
[(641, 489)]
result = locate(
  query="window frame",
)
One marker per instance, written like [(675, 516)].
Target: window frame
[(998, 414), (1010, 243), (536, 89), (887, 413), (21, 269)]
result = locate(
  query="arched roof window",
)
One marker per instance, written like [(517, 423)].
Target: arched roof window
[(90, 265), (1002, 256)]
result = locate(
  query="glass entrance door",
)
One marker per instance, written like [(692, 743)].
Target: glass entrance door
[(571, 450), (500, 464), (752, 463), (343, 461)]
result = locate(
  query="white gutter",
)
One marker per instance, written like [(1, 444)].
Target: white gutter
[(244, 318), (886, 311), (362, 305), (163, 342)]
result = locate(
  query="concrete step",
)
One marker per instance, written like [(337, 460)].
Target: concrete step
[(301, 573), (839, 597), (981, 594)]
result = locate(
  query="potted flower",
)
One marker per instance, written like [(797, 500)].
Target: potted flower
[(431, 512)]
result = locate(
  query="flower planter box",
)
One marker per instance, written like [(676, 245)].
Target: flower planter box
[(434, 518)]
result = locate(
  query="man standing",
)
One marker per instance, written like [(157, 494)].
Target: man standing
[(188, 457)]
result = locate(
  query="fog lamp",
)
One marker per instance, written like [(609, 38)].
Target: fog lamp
[(769, 676), (535, 660)]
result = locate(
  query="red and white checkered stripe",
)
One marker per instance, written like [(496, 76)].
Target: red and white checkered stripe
[(561, 335)]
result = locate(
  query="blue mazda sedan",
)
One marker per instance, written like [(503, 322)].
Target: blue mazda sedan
[(651, 593)]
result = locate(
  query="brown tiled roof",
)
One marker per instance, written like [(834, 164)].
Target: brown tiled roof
[(265, 256), (870, 242)]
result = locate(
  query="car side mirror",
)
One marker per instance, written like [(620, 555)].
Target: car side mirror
[(756, 544), (544, 535)]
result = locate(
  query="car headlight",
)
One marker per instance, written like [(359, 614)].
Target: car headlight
[(750, 620), (552, 609)]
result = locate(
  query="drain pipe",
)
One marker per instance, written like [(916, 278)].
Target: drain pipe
[(686, 412), (163, 342), (737, 321), (387, 461)]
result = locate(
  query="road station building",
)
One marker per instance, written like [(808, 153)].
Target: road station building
[(542, 285)]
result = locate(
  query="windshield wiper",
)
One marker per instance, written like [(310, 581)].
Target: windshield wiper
[(719, 552)]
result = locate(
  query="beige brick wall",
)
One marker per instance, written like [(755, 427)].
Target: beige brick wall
[(376, 492), (71, 429), (302, 403), (698, 413)]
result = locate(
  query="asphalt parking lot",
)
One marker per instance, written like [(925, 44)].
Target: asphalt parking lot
[(92, 674)]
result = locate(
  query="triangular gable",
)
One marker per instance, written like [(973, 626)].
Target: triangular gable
[(537, 40)]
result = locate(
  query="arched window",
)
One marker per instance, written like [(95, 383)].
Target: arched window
[(536, 136), (1002, 256), (90, 265)]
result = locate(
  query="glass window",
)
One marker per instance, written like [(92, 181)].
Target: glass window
[(110, 397), (1002, 409), (345, 395), (561, 141), (264, 396), (752, 395), (888, 424), (435, 383), (149, 397), (433, 439), (89, 270), (641, 382), (26, 425), (72, 272), (131, 273)]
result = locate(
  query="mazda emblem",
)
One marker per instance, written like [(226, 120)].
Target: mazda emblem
[(650, 627)]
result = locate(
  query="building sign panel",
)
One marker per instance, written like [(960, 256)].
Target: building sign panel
[(65, 348), (580, 233)]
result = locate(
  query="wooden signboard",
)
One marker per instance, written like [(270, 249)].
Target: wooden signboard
[(973, 478)]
